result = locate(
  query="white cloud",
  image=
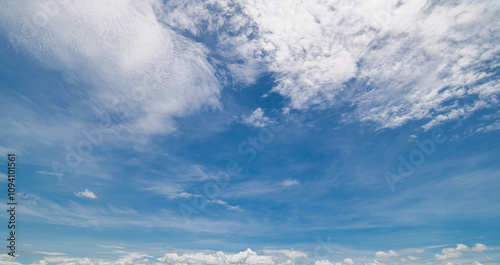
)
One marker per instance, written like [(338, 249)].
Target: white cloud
[(448, 253), (244, 257), (478, 247), (48, 173), (111, 247), (325, 262), (477, 263), (290, 182), (421, 249), (375, 262), (293, 254), (3, 177), (247, 257), (171, 190), (462, 247), (382, 254), (413, 257), (348, 261), (225, 204), (451, 253), (491, 127), (49, 253), (404, 67), (4, 151), (257, 119), (138, 68), (387, 58), (130, 258), (39, 262), (86, 193)]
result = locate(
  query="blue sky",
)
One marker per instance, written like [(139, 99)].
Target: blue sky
[(252, 132)]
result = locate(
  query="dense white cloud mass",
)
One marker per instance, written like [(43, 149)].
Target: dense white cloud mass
[(247, 257), (244, 257), (410, 56), (139, 68), (396, 61)]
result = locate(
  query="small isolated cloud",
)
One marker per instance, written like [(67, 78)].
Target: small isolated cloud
[(477, 263), (48, 173), (478, 247), (462, 247), (225, 204), (383, 255), (413, 257), (257, 119), (290, 182), (86, 193)]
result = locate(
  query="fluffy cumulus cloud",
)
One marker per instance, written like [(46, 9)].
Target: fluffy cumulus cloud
[(478, 247), (247, 257), (448, 253), (140, 69), (451, 253), (86, 194), (390, 254), (348, 261), (244, 257)]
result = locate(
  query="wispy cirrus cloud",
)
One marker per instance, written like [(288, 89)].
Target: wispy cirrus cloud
[(257, 119), (148, 79), (371, 55)]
